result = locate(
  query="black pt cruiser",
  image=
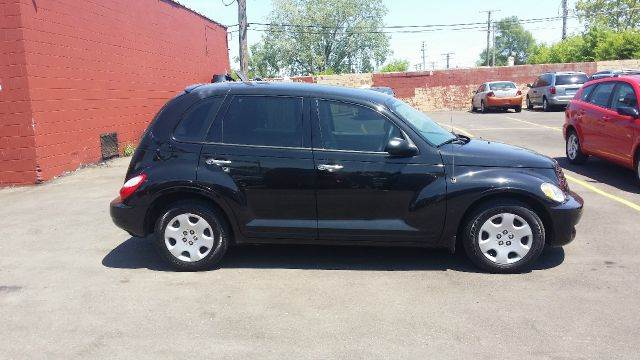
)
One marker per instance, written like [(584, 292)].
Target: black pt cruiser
[(255, 162)]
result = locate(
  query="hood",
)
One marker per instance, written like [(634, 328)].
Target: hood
[(491, 153)]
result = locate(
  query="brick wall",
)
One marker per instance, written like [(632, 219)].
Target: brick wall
[(83, 68)]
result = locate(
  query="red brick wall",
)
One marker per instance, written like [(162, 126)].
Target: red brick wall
[(105, 66), (452, 89), (17, 141)]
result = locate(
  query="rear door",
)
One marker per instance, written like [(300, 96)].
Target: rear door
[(479, 95), (618, 129), (596, 111), (258, 153), (364, 194)]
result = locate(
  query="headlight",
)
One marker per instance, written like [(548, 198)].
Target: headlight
[(552, 192)]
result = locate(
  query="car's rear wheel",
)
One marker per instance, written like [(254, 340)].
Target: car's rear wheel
[(483, 108), (545, 105), (192, 236), (504, 236), (574, 149), (529, 104), (518, 109)]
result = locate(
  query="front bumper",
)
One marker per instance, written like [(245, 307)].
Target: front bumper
[(128, 218), (564, 218), (504, 101)]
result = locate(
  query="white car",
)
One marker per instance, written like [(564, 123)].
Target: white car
[(501, 95)]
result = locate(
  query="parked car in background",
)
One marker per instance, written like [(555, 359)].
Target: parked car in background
[(613, 73), (554, 89), (603, 121), (254, 163), (502, 95), (383, 89)]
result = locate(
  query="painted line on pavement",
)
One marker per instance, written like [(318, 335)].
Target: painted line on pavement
[(532, 123), (460, 130), (603, 193)]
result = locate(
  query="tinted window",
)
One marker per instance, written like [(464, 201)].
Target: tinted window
[(353, 127), (624, 96), (263, 120), (601, 94), (586, 92), (573, 79), (428, 128), (197, 119), (502, 86)]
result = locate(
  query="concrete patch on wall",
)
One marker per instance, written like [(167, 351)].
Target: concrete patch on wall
[(349, 80)]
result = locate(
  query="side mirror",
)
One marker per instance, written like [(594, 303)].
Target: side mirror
[(528, 85), (628, 111), (400, 147)]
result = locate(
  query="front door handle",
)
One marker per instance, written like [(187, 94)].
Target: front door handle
[(329, 168), (218, 162)]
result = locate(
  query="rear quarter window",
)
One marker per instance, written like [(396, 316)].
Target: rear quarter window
[(197, 119)]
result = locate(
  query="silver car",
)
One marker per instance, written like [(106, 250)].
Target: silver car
[(555, 89)]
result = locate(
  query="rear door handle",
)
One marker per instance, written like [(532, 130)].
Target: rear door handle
[(218, 162), (329, 168)]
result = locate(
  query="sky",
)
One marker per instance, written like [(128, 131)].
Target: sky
[(465, 45)]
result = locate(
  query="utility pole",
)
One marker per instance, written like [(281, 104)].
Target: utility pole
[(448, 56), (242, 24), (565, 14), (493, 41), (489, 12), (424, 62)]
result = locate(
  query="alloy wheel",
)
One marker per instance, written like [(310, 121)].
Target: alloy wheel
[(505, 238), (572, 146), (189, 237)]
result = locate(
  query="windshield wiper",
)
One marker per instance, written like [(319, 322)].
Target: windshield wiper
[(459, 138)]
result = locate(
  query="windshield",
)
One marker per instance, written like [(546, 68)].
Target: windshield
[(428, 128), (571, 79), (502, 86)]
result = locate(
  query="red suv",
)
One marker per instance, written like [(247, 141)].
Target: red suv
[(603, 120)]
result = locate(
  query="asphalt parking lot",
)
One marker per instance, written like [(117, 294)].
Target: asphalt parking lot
[(72, 285)]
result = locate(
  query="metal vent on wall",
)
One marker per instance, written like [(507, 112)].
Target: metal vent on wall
[(109, 145)]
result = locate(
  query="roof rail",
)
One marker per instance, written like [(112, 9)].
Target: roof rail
[(192, 87)]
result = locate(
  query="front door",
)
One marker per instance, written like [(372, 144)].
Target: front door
[(365, 194), (260, 151), (618, 128)]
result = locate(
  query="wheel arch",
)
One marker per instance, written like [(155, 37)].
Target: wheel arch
[(173, 195), (535, 204)]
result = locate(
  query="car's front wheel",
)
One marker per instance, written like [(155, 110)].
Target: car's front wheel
[(504, 236), (529, 104), (192, 236)]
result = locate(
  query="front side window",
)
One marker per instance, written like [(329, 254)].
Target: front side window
[(264, 120), (601, 94), (624, 96), (429, 129), (353, 127), (197, 119)]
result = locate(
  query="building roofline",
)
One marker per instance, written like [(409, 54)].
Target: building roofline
[(178, 4)]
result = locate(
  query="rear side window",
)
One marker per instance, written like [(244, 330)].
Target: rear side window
[(571, 79), (586, 92), (624, 96), (601, 94), (196, 120), (264, 120)]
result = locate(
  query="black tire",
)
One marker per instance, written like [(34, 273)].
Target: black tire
[(221, 233), (579, 157), (638, 167), (518, 109), (483, 108), (483, 213), (545, 105), (529, 103)]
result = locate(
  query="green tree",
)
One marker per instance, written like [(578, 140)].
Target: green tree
[(396, 65), (511, 39), (614, 14), (313, 36)]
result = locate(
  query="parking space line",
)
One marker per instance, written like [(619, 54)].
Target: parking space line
[(460, 130), (603, 193), (532, 123)]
